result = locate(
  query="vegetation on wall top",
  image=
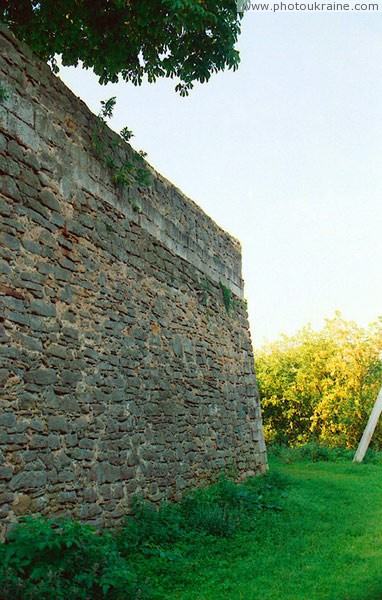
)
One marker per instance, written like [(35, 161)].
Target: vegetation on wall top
[(127, 172)]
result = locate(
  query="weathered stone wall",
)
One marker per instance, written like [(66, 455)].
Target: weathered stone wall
[(122, 370)]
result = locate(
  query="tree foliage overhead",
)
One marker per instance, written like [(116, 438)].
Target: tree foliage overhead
[(321, 385), (185, 39)]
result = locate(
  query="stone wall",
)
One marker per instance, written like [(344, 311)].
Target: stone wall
[(125, 368)]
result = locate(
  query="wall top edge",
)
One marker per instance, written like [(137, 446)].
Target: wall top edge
[(164, 210)]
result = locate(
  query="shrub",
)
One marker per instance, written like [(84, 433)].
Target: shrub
[(148, 529), (321, 385), (44, 559), (219, 510)]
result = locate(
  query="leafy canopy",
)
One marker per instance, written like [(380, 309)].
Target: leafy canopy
[(185, 39)]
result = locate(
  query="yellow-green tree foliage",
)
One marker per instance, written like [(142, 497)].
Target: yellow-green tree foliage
[(321, 385)]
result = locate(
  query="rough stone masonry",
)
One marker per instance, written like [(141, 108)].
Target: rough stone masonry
[(126, 359)]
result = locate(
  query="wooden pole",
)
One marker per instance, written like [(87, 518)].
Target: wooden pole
[(369, 429)]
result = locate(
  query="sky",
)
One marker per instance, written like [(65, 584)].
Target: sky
[(285, 154)]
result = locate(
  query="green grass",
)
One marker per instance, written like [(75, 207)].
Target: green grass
[(308, 530), (326, 543)]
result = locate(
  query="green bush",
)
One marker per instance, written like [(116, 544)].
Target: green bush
[(219, 510), (321, 385), (44, 559), (222, 509), (149, 530)]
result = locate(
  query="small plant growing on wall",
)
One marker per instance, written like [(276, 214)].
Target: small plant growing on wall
[(133, 171), (227, 297), (129, 172), (4, 95)]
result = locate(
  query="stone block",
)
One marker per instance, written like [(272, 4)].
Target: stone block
[(58, 351), (7, 419), (89, 511), (33, 247), (66, 294), (9, 188), (67, 497), (6, 497), (38, 441), (28, 480), (30, 178), (23, 504), (48, 199), (31, 160), (58, 423), (27, 401), (66, 475), (106, 473), (41, 376), (35, 205), (9, 241), (45, 309), (81, 454), (6, 473)]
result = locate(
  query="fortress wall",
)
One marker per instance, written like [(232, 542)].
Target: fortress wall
[(127, 365)]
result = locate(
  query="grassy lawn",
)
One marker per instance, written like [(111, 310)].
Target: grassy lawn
[(326, 543), (306, 531)]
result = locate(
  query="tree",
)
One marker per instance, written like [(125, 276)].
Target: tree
[(184, 39), (321, 385)]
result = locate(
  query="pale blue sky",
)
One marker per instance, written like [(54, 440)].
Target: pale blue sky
[(286, 155)]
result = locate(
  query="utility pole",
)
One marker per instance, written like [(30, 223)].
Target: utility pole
[(369, 429)]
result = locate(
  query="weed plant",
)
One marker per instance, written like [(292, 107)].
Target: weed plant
[(44, 559), (66, 560), (4, 95), (220, 510)]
